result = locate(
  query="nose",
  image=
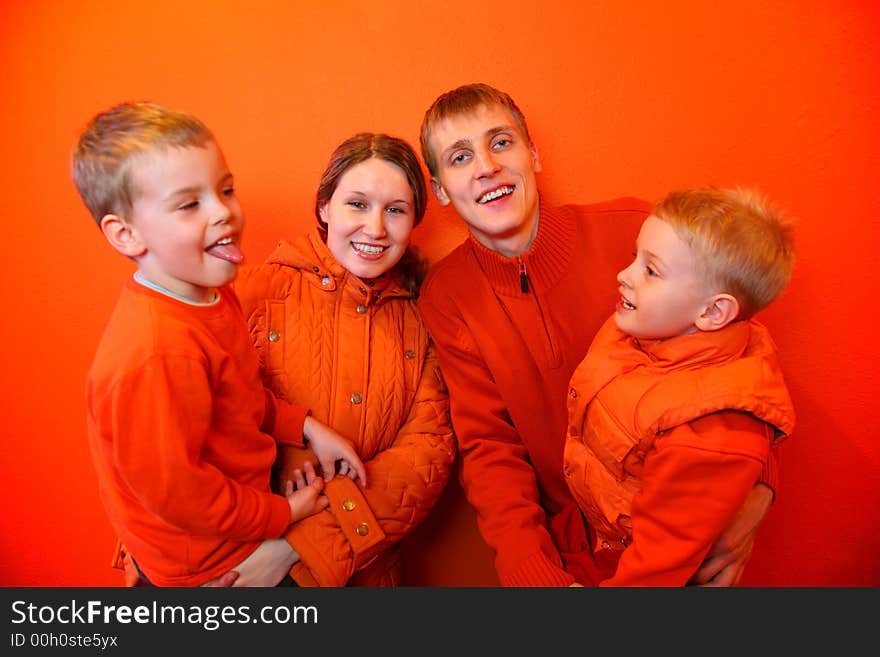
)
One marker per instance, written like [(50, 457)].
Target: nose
[(624, 276), (485, 162), (374, 224), (221, 212)]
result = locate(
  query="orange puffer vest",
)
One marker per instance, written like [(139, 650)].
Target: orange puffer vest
[(357, 355), (627, 391)]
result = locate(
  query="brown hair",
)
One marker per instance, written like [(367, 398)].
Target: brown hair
[(364, 146), (109, 143), (465, 99), (743, 245)]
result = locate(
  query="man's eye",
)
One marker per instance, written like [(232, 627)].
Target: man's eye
[(459, 158), (501, 143)]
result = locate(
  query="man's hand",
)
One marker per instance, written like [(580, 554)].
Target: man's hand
[(726, 560)]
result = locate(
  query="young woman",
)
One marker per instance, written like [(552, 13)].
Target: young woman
[(334, 319)]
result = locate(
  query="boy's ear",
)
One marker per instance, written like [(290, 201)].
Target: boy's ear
[(439, 192), (122, 235), (721, 310)]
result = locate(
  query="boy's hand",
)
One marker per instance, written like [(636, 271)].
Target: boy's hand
[(330, 447), (304, 493)]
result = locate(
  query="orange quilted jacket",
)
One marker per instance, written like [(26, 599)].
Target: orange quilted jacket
[(358, 356)]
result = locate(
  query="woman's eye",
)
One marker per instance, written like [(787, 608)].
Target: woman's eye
[(357, 204)]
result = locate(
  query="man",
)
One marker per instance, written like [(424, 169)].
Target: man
[(512, 311)]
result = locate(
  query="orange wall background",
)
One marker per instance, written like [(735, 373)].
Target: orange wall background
[(623, 98)]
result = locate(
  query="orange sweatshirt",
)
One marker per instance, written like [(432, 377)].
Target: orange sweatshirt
[(666, 438), (179, 429)]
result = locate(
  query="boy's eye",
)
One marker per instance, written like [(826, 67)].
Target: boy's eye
[(189, 206), (501, 143), (650, 271), (459, 158), (229, 191)]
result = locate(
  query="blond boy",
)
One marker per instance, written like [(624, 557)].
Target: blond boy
[(182, 432), (675, 406)]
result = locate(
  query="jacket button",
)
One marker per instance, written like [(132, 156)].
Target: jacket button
[(361, 309), (362, 529), (409, 354), (325, 280), (356, 398), (316, 269), (274, 336), (362, 289), (572, 393), (606, 545), (349, 504)]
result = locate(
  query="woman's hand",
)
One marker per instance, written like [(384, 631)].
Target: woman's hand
[(267, 565)]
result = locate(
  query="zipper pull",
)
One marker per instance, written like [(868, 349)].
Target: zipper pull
[(523, 277)]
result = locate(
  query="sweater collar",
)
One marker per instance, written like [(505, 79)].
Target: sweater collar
[(544, 262)]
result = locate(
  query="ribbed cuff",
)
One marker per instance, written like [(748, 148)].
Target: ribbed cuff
[(286, 422), (770, 473), (537, 570)]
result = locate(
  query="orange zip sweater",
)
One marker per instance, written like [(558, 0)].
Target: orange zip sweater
[(181, 433), (666, 438), (507, 351)]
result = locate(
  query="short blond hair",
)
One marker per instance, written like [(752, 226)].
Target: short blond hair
[(465, 99), (743, 245), (110, 142)]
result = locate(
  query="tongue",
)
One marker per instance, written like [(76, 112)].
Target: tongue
[(229, 252)]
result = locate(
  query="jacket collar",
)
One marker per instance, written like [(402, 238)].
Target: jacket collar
[(700, 348), (311, 256)]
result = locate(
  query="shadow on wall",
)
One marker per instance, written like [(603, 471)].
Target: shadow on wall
[(447, 549)]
